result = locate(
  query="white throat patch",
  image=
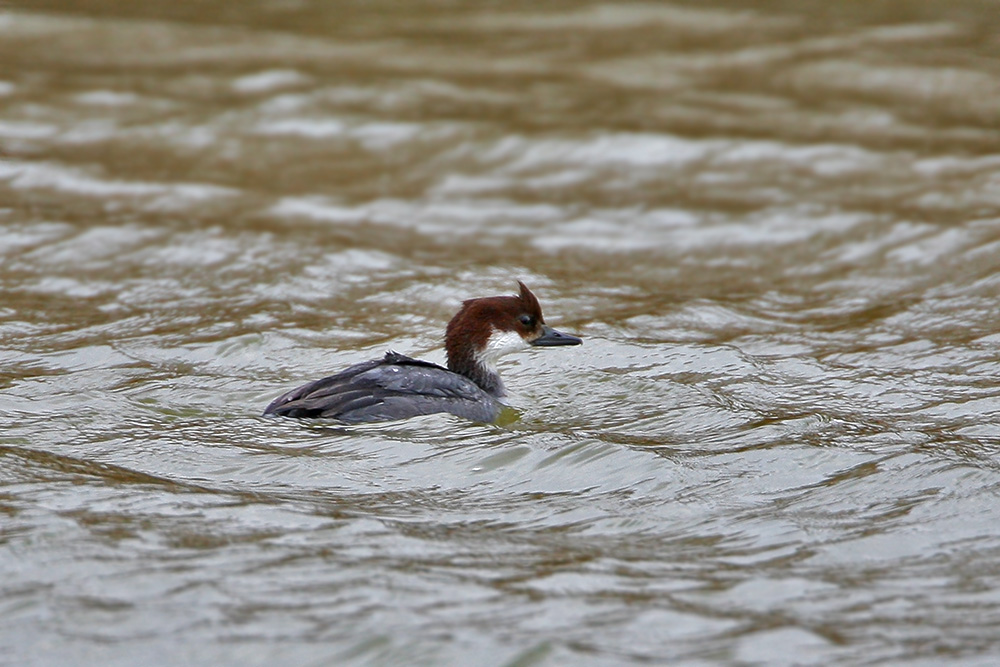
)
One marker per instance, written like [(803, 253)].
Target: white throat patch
[(499, 344)]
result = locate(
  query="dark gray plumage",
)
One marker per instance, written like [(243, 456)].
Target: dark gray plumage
[(394, 387)]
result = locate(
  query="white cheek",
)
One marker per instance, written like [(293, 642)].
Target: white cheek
[(501, 343)]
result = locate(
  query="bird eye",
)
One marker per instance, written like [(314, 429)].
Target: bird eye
[(527, 320)]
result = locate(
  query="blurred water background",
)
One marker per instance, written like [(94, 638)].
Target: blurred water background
[(776, 224)]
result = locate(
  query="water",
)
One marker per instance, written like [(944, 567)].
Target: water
[(776, 225)]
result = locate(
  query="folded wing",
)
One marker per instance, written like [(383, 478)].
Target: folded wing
[(394, 387)]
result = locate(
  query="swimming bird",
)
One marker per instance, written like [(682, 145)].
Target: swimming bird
[(397, 386)]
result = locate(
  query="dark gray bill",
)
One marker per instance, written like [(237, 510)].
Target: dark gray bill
[(551, 337)]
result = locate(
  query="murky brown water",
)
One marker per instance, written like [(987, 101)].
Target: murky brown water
[(777, 225)]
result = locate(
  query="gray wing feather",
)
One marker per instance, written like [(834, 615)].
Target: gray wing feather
[(394, 387)]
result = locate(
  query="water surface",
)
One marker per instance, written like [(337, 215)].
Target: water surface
[(776, 225)]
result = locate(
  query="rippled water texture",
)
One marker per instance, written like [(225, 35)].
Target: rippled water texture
[(774, 223)]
